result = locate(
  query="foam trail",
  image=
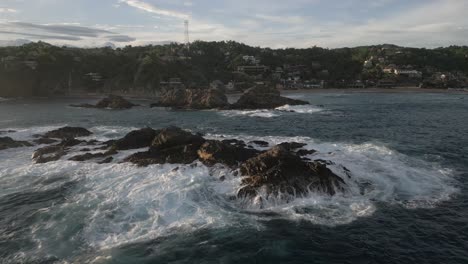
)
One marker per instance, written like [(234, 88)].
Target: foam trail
[(302, 109), (251, 113), (265, 113), (115, 204), (378, 174)]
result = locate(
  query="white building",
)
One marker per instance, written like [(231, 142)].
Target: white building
[(408, 73)]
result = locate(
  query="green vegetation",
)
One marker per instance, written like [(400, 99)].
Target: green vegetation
[(42, 69)]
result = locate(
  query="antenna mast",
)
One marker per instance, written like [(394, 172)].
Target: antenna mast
[(187, 36)]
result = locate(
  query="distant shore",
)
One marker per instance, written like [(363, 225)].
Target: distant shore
[(285, 92), (374, 90)]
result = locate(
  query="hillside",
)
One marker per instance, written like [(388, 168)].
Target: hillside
[(37, 69)]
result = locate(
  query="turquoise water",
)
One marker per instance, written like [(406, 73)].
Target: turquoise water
[(407, 199)]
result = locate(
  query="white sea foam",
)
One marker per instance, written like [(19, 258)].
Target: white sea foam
[(251, 113), (121, 203), (265, 113), (378, 174), (303, 109)]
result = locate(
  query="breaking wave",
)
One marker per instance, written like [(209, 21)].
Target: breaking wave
[(115, 204), (265, 113)]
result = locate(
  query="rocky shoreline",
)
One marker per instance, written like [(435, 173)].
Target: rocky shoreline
[(258, 97), (281, 170)]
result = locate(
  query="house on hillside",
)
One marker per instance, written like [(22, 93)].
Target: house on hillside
[(408, 73)]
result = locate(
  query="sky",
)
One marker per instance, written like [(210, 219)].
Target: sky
[(265, 23)]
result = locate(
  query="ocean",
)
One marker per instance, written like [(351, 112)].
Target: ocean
[(405, 202)]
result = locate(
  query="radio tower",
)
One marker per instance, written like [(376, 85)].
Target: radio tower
[(187, 37)]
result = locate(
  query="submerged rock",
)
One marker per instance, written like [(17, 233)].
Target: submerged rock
[(136, 139), (8, 142), (67, 132), (264, 97), (111, 102), (193, 99), (280, 171)]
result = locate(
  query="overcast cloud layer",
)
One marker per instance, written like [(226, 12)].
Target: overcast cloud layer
[(267, 23)]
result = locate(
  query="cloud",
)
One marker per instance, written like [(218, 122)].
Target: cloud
[(153, 9), (62, 32), (40, 36), (8, 10), (121, 38), (61, 29)]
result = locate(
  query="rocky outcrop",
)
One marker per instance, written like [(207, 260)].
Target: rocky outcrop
[(260, 143), (8, 142), (181, 154), (174, 136), (213, 152), (45, 141), (280, 171), (111, 102), (67, 132), (49, 153), (136, 139), (54, 152), (193, 99), (172, 145), (264, 97), (90, 156)]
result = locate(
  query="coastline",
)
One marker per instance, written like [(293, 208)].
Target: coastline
[(403, 90), (374, 90)]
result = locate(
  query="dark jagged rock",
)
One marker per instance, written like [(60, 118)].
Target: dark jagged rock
[(136, 139), (234, 142), (172, 145), (106, 160), (213, 152), (7, 131), (92, 142), (292, 145), (114, 102), (68, 132), (90, 156), (193, 99), (111, 102), (264, 97), (45, 141), (8, 142), (260, 143), (49, 153), (305, 152), (70, 142), (182, 154), (54, 152), (174, 136), (281, 171)]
